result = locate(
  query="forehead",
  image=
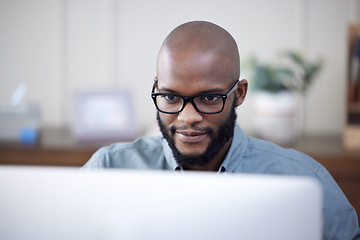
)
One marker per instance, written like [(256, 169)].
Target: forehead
[(190, 73)]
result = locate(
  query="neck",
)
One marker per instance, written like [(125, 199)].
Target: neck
[(215, 163)]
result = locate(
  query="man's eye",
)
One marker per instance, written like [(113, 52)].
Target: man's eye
[(171, 98), (211, 98)]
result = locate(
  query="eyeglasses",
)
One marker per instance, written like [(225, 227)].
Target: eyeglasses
[(203, 103)]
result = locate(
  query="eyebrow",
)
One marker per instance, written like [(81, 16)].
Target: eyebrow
[(209, 91)]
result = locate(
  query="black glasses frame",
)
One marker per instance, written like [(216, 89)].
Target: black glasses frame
[(191, 99)]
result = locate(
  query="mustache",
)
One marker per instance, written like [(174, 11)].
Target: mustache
[(173, 128)]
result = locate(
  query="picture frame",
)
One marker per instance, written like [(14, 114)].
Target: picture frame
[(103, 116)]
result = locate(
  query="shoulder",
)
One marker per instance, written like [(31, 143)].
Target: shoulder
[(143, 143), (266, 157), (144, 152), (279, 159)]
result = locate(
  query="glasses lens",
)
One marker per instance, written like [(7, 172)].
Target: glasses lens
[(206, 103), (169, 103), (209, 103)]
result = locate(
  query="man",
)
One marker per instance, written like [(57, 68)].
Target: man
[(196, 93)]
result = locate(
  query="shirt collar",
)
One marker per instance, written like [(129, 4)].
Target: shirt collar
[(169, 156), (237, 148)]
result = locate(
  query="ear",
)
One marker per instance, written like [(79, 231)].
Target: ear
[(241, 92), (154, 84)]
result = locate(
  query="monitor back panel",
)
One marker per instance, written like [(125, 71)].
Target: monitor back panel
[(64, 203)]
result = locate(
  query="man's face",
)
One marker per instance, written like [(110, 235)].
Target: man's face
[(196, 138)]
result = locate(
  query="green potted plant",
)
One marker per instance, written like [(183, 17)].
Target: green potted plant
[(276, 89), (294, 73)]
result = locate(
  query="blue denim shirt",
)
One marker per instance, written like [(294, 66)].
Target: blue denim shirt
[(246, 155)]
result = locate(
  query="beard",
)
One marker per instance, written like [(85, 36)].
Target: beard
[(218, 141)]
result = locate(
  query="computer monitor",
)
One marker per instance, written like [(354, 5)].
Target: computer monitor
[(65, 203)]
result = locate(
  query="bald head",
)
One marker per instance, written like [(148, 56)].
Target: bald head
[(201, 40)]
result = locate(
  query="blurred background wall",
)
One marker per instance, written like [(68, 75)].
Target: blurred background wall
[(58, 47)]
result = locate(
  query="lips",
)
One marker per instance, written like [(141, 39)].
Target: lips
[(191, 136)]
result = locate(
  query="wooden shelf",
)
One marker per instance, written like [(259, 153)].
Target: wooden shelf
[(352, 129), (354, 107)]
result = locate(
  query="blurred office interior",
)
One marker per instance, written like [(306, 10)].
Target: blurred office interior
[(59, 47), (52, 51)]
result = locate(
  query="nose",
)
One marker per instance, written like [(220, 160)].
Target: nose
[(189, 115)]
